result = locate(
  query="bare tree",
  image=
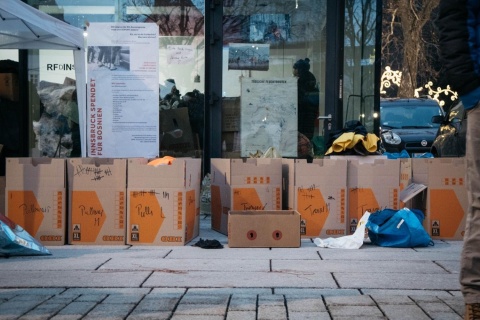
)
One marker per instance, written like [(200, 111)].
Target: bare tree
[(408, 42), (173, 17)]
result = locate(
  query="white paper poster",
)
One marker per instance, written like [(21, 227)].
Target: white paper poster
[(180, 54), (268, 116), (122, 89)]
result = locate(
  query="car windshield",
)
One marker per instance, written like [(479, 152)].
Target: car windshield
[(409, 116)]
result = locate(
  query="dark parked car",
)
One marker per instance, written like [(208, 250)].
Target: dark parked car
[(407, 124), (451, 136)]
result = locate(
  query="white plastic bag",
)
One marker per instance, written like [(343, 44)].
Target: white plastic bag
[(354, 241)]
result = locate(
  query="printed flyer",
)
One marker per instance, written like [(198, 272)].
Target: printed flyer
[(122, 90), (269, 120)]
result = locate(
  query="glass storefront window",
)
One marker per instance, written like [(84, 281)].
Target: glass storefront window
[(262, 100), (359, 63), (181, 27), (79, 12), (8, 54), (266, 101)]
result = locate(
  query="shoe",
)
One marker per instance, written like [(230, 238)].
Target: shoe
[(472, 311)]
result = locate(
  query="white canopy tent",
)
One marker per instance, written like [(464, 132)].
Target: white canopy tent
[(24, 27)]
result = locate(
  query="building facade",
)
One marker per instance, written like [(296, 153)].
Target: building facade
[(239, 83)]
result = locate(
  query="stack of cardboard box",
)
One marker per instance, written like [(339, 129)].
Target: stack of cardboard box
[(158, 206), (238, 185), (331, 195), (255, 201), (231, 127)]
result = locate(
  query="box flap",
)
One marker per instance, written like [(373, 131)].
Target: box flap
[(411, 191), (182, 173), (96, 173), (35, 172)]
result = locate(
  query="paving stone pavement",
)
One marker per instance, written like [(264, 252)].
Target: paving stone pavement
[(188, 282)]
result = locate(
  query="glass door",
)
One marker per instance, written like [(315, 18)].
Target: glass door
[(360, 50), (273, 77)]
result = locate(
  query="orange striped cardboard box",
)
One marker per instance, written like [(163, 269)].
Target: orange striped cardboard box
[(97, 201), (244, 184), (163, 202), (36, 197)]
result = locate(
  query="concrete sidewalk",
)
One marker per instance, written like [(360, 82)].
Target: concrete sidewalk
[(188, 282)]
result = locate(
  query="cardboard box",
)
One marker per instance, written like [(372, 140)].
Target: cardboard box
[(230, 114), (97, 201), (232, 155), (406, 173), (360, 159), (446, 203), (288, 184), (372, 186), (264, 229), (321, 197), (244, 184), (163, 202), (411, 191), (231, 142), (36, 197), (9, 86)]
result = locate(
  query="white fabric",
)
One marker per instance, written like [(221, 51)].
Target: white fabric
[(24, 27), (353, 241)]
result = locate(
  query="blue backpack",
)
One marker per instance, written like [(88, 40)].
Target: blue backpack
[(398, 228)]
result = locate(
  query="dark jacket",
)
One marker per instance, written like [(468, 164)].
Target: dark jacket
[(459, 34)]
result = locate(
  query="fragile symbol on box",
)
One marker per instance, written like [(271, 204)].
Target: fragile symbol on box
[(76, 227), (135, 228)]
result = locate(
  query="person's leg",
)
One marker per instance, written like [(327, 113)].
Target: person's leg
[(101, 56), (108, 57), (470, 260), (90, 55)]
